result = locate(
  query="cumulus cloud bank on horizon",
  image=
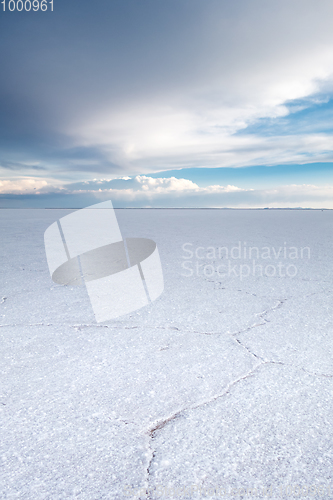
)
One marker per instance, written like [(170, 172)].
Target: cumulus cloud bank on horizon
[(145, 191), (139, 186)]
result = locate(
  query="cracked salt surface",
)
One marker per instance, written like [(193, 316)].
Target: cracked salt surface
[(300, 334), (220, 383), (271, 429)]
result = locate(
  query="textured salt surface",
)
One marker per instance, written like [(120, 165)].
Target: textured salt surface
[(221, 384)]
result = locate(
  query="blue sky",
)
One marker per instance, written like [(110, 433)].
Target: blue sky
[(177, 103)]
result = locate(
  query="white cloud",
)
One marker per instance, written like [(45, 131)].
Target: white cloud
[(251, 67), (148, 139), (142, 190), (142, 186), (171, 192), (22, 186)]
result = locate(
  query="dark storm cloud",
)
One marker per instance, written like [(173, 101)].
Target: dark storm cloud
[(84, 55)]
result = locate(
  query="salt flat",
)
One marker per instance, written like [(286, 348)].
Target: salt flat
[(221, 388)]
